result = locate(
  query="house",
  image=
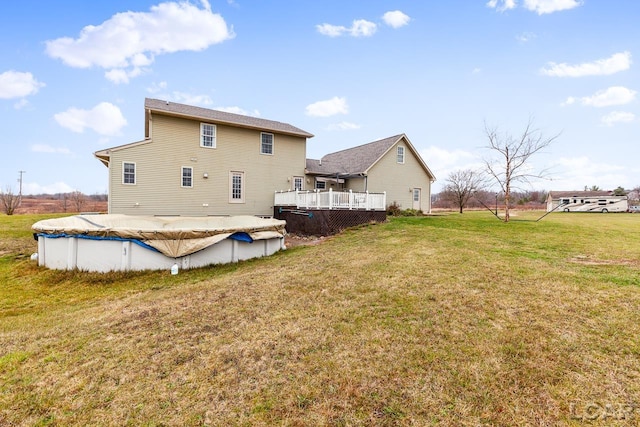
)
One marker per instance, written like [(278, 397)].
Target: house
[(196, 162), (586, 201), (392, 165)]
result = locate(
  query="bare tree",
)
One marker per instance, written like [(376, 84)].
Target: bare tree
[(9, 201), (510, 164), (78, 199), (461, 185), (64, 201)]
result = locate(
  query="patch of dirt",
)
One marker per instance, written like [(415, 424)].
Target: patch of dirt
[(588, 260), (293, 240)]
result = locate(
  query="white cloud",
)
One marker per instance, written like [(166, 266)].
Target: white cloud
[(21, 104), (501, 5), (105, 119), (55, 188), (343, 126), (15, 84), (157, 87), (601, 67), (443, 162), (396, 19), (331, 30), (615, 95), (129, 41), (327, 108), (526, 37), (442, 159), (120, 75), (573, 173), (618, 117), (539, 6), (191, 99), (44, 148), (549, 6), (359, 28), (363, 28)]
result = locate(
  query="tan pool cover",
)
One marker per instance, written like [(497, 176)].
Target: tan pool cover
[(172, 236)]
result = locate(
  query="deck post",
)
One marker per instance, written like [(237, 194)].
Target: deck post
[(350, 199), (330, 198)]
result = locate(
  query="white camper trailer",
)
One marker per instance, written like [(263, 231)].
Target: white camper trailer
[(602, 204)]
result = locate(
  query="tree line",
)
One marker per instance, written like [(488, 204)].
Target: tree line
[(74, 201)]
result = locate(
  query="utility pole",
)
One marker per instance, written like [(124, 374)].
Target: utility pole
[(20, 181)]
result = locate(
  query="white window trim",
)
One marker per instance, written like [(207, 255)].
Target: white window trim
[(398, 149), (182, 177), (242, 187), (301, 178), (215, 135), (135, 173), (324, 184), (273, 143)]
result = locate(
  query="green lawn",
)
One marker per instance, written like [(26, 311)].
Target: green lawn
[(440, 320)]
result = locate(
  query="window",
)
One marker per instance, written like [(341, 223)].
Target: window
[(128, 173), (236, 187), (297, 182), (266, 143), (400, 154), (416, 194), (321, 185), (207, 135), (187, 176)]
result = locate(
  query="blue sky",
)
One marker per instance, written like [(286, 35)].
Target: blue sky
[(74, 75)]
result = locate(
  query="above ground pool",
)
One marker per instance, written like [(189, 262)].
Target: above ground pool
[(124, 242)]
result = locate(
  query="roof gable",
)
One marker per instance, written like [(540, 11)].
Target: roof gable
[(221, 117), (359, 160)]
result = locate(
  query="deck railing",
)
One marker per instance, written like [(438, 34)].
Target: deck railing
[(331, 199)]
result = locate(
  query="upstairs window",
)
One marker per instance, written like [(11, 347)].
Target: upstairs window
[(400, 154), (266, 143), (207, 135), (187, 176), (128, 173)]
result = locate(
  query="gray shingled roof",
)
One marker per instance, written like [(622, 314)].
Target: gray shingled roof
[(352, 161), (357, 160), (215, 116)]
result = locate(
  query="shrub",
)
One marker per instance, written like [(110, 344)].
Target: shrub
[(394, 209)]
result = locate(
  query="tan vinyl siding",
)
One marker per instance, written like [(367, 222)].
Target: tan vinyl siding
[(356, 184), (399, 180), (176, 143)]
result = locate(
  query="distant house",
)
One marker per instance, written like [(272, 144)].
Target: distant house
[(392, 165), (197, 162)]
